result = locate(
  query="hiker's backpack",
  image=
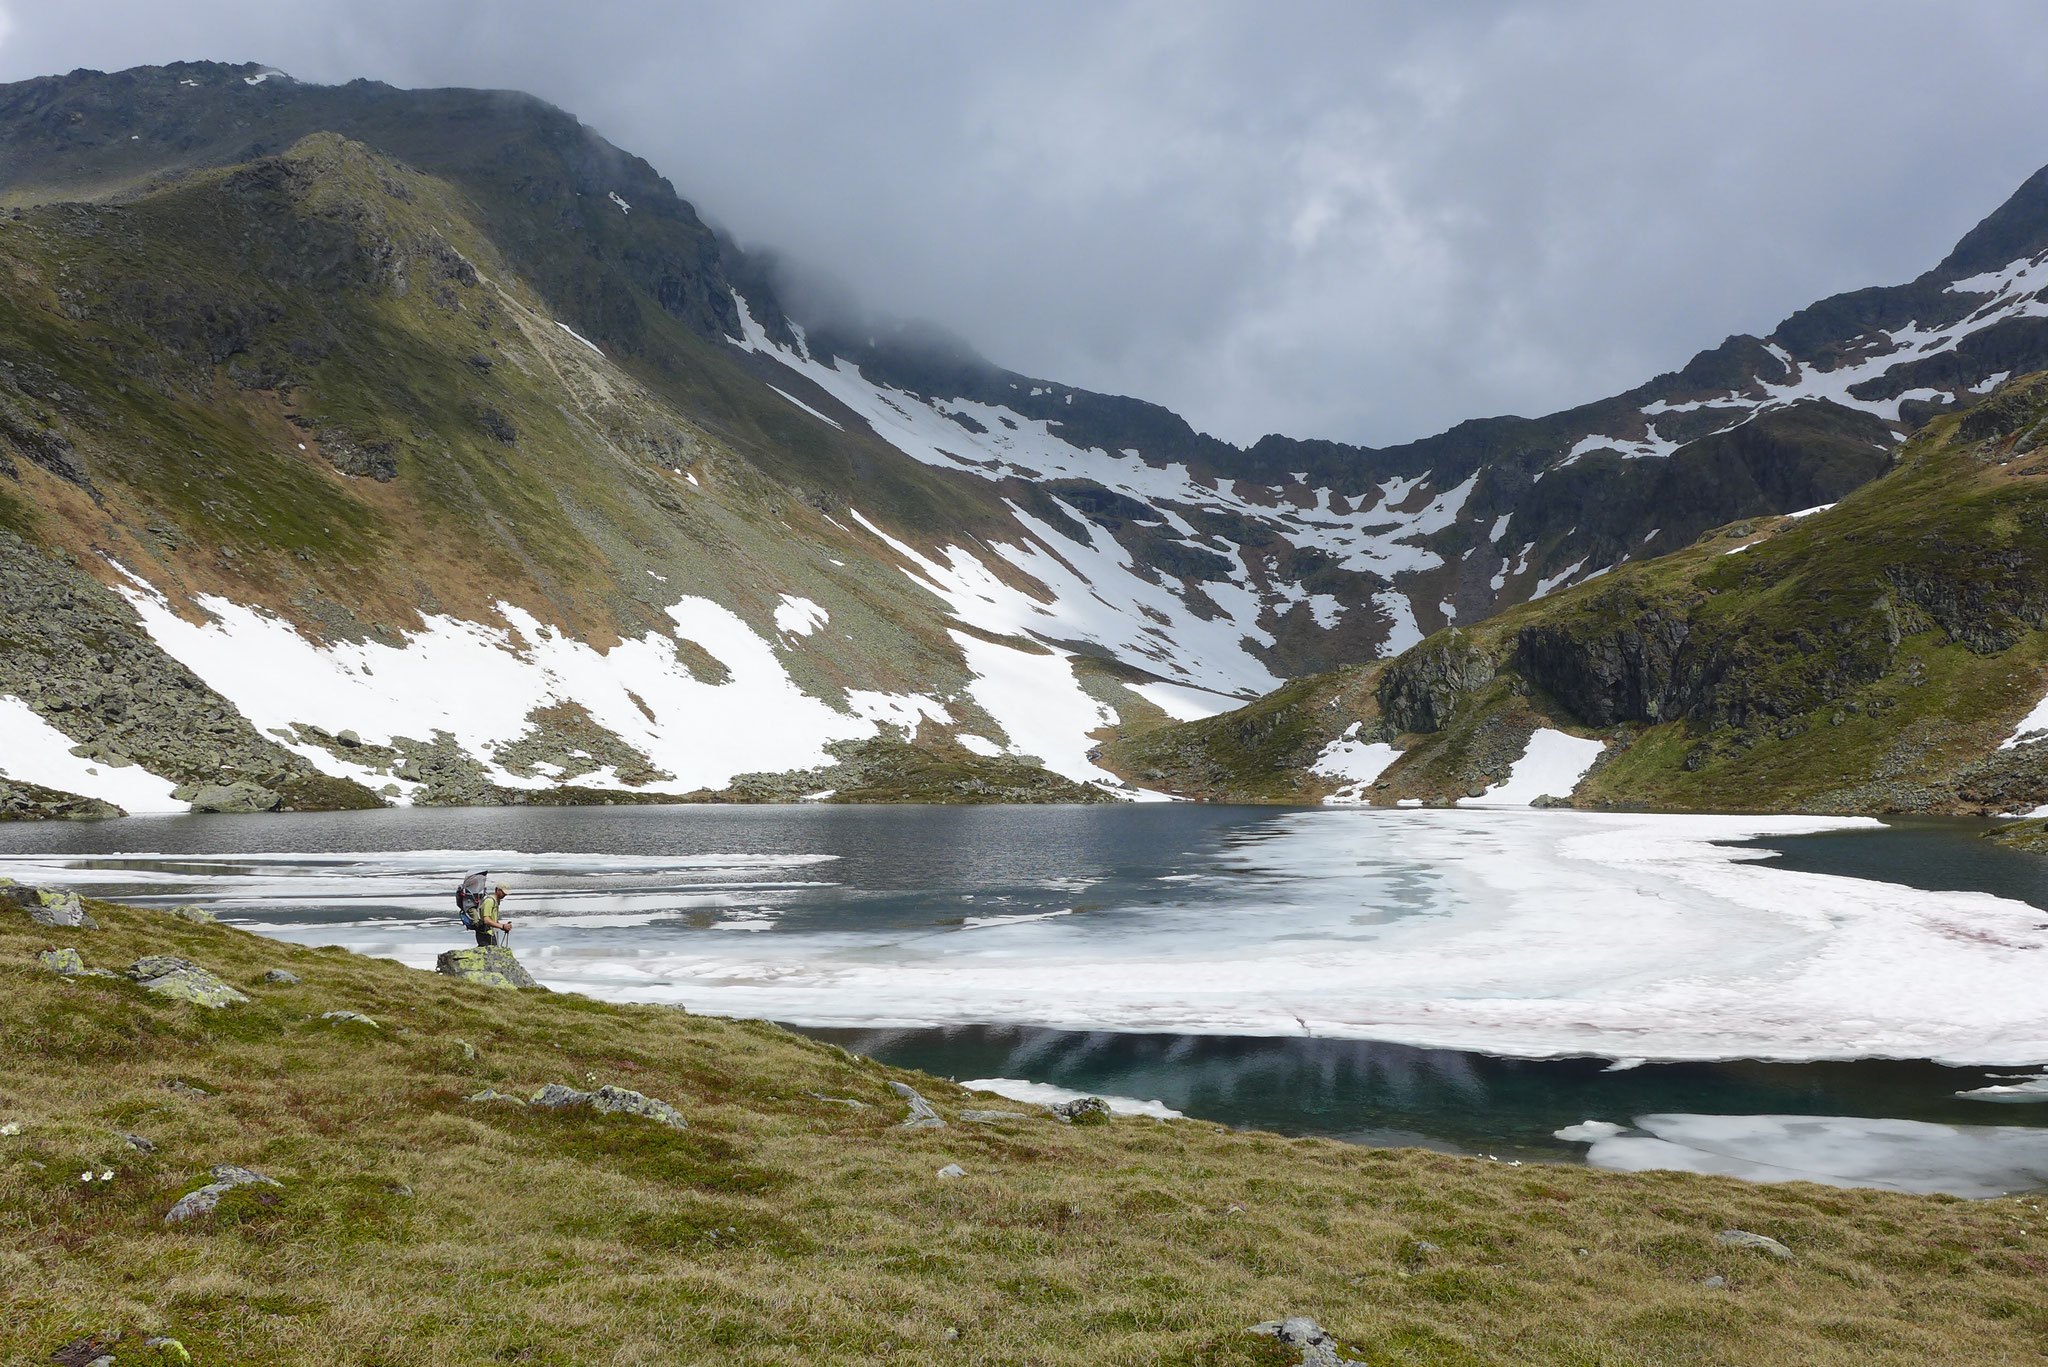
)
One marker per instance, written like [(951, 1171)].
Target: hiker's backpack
[(470, 896)]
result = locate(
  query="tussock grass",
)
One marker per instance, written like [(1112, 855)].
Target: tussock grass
[(415, 1227)]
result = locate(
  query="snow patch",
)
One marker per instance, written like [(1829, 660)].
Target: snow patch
[(1551, 767), (1045, 1094), (33, 751), (796, 616)]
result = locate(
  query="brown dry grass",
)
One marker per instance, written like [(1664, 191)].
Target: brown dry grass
[(781, 1229)]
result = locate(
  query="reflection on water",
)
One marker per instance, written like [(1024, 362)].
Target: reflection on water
[(1366, 1091)]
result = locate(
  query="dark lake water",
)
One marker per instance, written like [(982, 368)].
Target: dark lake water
[(1378, 977)]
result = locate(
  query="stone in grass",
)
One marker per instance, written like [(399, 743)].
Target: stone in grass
[(991, 1117), (226, 1178), (281, 975), (922, 1116), (1762, 1243), (1082, 1110), (952, 1170), (493, 1094), (487, 965), (182, 980), (349, 1018), (65, 961), (1318, 1349), (198, 916), (169, 1349), (608, 1100), (58, 910)]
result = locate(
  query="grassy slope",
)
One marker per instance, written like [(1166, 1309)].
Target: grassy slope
[(1866, 658), (560, 1238)]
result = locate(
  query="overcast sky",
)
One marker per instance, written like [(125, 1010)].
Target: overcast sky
[(1341, 220)]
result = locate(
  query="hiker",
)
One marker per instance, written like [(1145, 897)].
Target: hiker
[(487, 919)]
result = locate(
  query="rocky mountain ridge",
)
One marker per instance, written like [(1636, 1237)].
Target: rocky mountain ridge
[(1886, 654), (324, 385)]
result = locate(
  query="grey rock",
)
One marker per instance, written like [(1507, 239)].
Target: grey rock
[(184, 1088), (489, 1094), (239, 796), (952, 1170), (609, 1100), (283, 976), (138, 1143), (922, 1116), (1082, 1110), (556, 1097), (991, 1117), (1425, 1246), (182, 980), (468, 1049), (226, 1178), (349, 1018), (1318, 1349), (66, 961), (61, 910), (198, 916), (1762, 1243), (1715, 1282), (487, 965)]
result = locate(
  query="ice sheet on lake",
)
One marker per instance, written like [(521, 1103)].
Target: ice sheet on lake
[(1839, 1151), (1507, 932)]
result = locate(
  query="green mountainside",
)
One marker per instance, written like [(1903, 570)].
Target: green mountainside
[(1870, 657)]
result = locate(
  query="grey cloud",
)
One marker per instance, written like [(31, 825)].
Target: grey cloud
[(1362, 222)]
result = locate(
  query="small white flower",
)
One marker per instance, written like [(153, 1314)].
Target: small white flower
[(107, 1176), (85, 1177), (11, 1127)]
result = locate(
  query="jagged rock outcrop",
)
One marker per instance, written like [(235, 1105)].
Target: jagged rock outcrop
[(1420, 690)]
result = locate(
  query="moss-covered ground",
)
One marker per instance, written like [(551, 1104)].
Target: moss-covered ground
[(416, 1227)]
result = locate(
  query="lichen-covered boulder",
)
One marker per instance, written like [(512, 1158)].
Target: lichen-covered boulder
[(1082, 1110), (621, 1101), (226, 1178), (283, 976), (59, 910), (167, 975), (487, 965), (198, 916), (349, 1018), (608, 1100), (65, 961)]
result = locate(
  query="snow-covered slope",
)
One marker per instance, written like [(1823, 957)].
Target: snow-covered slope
[(489, 477)]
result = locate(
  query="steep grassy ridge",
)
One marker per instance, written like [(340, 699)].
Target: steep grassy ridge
[(413, 1226), (1870, 657), (313, 384)]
